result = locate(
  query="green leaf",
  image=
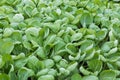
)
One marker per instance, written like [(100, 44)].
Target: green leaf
[(116, 31), (16, 36), (21, 63), (63, 63), (86, 19), (34, 12), (94, 27), (46, 77), (107, 75), (60, 44), (86, 45), (76, 76), (90, 77), (100, 35), (95, 65), (107, 46), (28, 9), (43, 72), (52, 72), (54, 27), (35, 64), (72, 66), (41, 53), (4, 77), (6, 47), (49, 63), (32, 31), (71, 49), (2, 62), (24, 73), (27, 45), (7, 32), (84, 71), (76, 37), (49, 40), (70, 16), (89, 54), (77, 57), (12, 73), (57, 58), (18, 18), (10, 2)]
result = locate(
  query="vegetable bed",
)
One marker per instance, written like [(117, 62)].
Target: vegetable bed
[(59, 40)]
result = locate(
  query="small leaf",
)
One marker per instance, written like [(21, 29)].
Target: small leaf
[(71, 49), (18, 17), (43, 72), (116, 31), (35, 64), (57, 58), (86, 19), (49, 40), (32, 31), (89, 54), (7, 32), (52, 72), (86, 44), (100, 35), (72, 66), (16, 36), (84, 71), (76, 37), (49, 63), (41, 53), (28, 9)]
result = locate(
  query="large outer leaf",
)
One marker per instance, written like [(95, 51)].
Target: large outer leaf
[(4, 77), (24, 73), (107, 75), (6, 47)]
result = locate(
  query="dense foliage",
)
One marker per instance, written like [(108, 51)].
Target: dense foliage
[(59, 40)]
